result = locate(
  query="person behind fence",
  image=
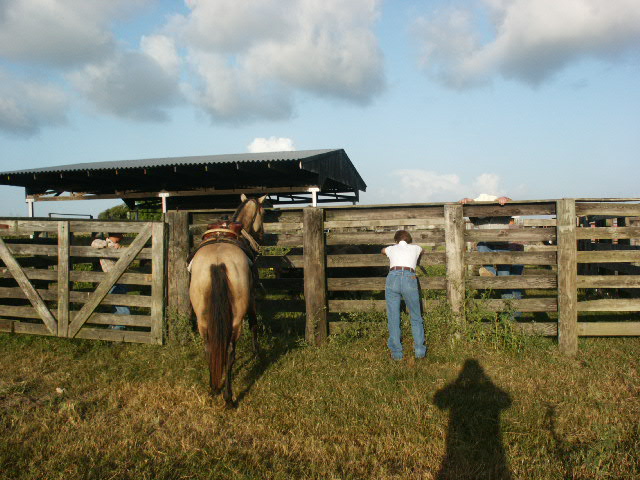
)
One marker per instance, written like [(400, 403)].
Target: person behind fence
[(112, 242), (402, 283), (499, 222)]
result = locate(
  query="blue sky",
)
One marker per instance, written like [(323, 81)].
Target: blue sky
[(432, 100)]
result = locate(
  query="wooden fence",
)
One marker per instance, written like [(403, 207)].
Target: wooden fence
[(330, 257), (325, 263), (51, 282), (281, 263)]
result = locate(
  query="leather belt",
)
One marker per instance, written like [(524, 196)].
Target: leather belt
[(413, 270)]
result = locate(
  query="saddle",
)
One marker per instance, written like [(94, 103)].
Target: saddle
[(225, 231)]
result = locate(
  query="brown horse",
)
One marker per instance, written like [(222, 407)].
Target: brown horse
[(222, 293)]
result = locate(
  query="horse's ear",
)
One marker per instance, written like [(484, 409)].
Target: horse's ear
[(243, 197), (262, 199)]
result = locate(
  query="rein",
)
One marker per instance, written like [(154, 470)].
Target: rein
[(252, 242)]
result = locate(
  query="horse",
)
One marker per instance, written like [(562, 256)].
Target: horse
[(223, 278)]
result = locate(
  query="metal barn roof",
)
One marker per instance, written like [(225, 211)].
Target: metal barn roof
[(288, 177)]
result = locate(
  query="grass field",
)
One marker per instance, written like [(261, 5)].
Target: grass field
[(492, 405)]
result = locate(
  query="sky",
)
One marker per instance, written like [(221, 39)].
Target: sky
[(433, 101)]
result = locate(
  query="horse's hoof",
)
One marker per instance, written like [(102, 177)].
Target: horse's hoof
[(214, 392), (230, 405)]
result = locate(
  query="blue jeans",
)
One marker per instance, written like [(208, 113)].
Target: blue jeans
[(403, 284), (119, 309), (502, 270)]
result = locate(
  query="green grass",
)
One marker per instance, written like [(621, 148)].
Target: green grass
[(477, 407)]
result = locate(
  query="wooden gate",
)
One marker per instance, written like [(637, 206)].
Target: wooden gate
[(51, 282)]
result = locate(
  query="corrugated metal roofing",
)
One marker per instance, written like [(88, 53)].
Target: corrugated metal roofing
[(330, 169), (177, 161)]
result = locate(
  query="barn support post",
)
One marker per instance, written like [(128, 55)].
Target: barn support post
[(455, 248), (567, 276), (315, 281), (30, 209), (178, 276), (314, 195)]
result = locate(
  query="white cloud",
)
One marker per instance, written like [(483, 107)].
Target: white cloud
[(250, 67), (236, 60), (271, 144), (529, 41), (75, 36), (163, 50), (234, 26), (228, 94), (418, 185), (131, 85), (61, 33), (26, 107)]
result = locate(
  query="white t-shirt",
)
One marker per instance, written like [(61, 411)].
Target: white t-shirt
[(403, 254), (107, 264)]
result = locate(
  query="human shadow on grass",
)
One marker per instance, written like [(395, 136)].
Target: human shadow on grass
[(474, 439)]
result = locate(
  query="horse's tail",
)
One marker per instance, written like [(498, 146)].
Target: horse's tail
[(219, 327)]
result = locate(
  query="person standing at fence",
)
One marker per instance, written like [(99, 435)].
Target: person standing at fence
[(112, 242), (497, 222), (402, 283)]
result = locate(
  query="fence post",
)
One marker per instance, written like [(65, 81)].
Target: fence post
[(178, 276), (63, 278), (567, 276), (315, 282), (455, 247), (158, 278)]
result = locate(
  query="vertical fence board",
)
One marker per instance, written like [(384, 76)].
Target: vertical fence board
[(178, 281), (455, 246), (158, 281), (315, 283), (567, 277), (64, 236)]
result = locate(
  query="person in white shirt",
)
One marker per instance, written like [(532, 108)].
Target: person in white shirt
[(402, 283), (497, 222), (112, 242)]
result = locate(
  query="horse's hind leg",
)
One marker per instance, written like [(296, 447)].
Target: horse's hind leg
[(227, 393)]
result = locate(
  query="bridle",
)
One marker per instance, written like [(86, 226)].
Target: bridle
[(244, 233)]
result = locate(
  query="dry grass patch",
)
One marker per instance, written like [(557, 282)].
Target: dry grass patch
[(343, 411)]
